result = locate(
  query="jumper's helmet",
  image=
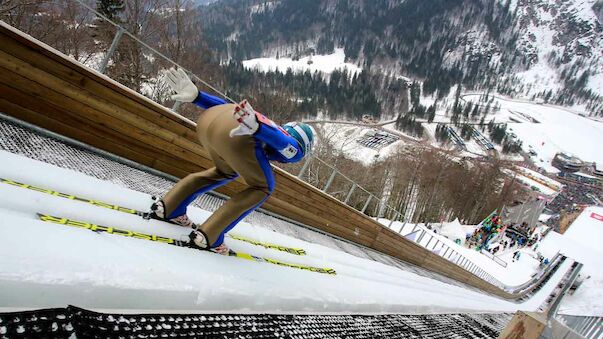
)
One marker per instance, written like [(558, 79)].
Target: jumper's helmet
[(303, 133)]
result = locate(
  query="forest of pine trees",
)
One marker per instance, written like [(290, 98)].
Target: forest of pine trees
[(407, 37)]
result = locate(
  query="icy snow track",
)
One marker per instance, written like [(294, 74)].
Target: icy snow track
[(50, 265)]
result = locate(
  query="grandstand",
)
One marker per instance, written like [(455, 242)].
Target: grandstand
[(377, 139), (567, 163)]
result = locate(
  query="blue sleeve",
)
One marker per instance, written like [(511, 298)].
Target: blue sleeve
[(206, 101), (287, 147)]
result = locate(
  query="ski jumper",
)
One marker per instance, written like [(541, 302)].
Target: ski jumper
[(247, 156)]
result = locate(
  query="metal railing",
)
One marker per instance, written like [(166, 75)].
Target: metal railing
[(374, 206), (588, 327), (494, 258), (425, 238)]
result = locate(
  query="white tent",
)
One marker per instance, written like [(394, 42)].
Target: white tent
[(453, 231)]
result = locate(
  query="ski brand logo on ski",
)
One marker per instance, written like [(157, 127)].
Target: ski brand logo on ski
[(295, 251), (170, 241), (106, 229)]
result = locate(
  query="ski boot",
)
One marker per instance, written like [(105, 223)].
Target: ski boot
[(158, 212), (222, 249), (198, 239)]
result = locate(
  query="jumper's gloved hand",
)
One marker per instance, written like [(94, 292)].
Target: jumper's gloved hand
[(180, 83), (245, 116)]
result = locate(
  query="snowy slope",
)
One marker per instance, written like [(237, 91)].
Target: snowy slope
[(45, 265), (555, 130), (566, 29), (344, 138), (582, 241), (316, 63)]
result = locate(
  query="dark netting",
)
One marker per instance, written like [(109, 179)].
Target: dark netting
[(46, 323), (74, 322)]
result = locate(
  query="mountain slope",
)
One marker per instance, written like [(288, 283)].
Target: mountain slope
[(519, 47)]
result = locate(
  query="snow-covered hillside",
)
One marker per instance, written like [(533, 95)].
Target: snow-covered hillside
[(547, 129), (316, 63), (558, 36), (554, 43), (345, 139)]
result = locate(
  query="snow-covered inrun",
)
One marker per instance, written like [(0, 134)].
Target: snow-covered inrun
[(50, 265), (321, 63)]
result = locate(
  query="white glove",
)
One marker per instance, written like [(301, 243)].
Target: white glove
[(180, 83), (245, 116)]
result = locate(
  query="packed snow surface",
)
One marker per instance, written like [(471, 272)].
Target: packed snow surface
[(321, 63), (49, 265), (582, 241)]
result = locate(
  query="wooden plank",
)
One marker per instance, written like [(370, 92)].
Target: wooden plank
[(524, 325), (47, 98), (296, 188), (40, 49), (323, 213), (325, 208), (69, 131), (71, 92), (74, 77), (310, 219), (94, 138)]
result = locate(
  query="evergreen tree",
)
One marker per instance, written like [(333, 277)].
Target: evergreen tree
[(431, 113), (415, 93), (475, 112), (111, 9), (456, 108), (467, 109)]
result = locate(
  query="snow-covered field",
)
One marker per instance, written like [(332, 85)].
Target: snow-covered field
[(557, 130), (45, 265), (344, 139), (321, 63)]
